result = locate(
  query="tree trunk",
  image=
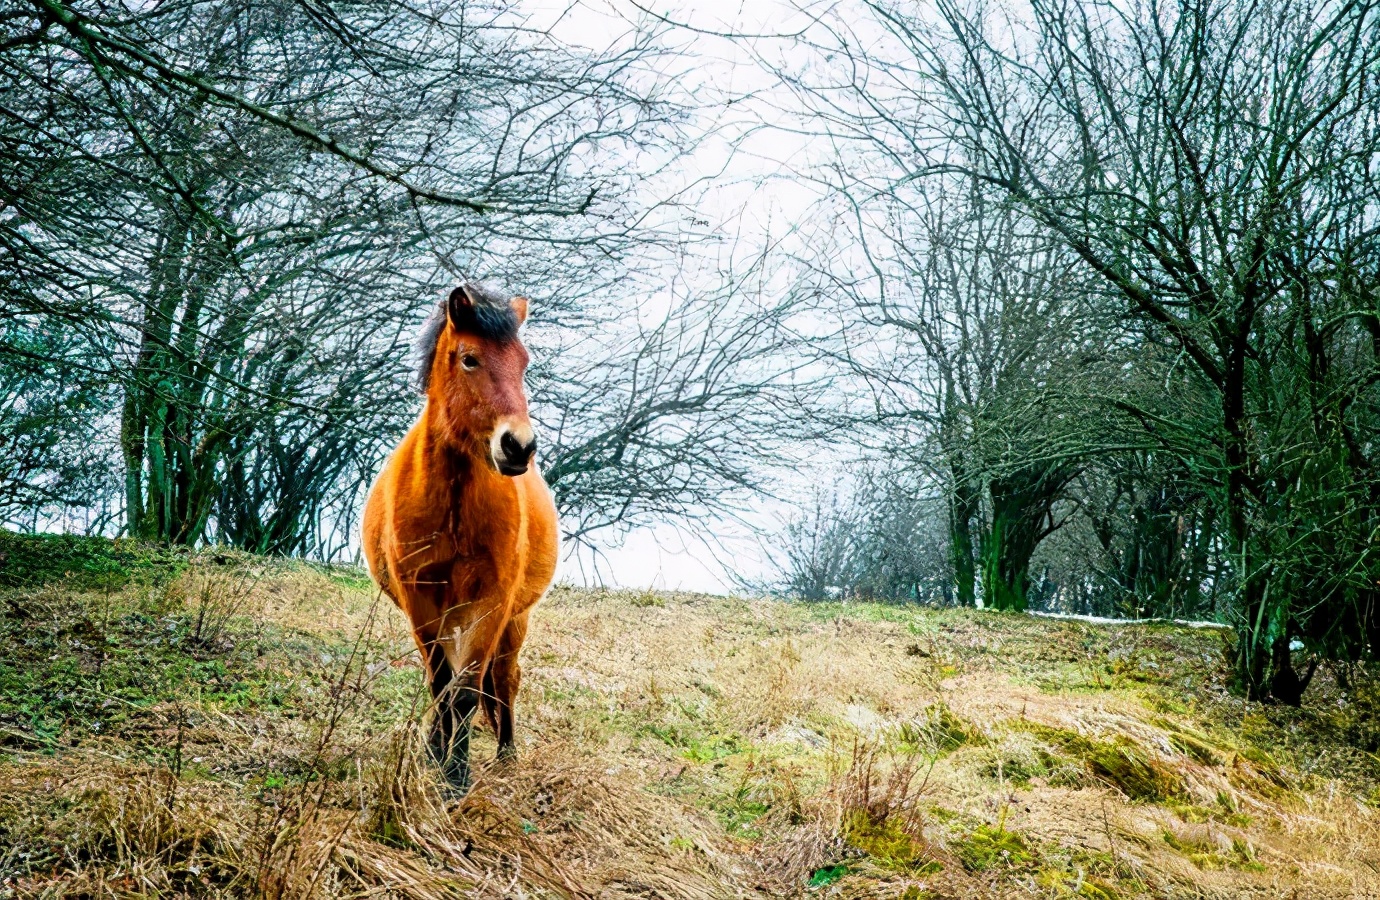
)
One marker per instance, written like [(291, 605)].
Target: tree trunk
[(1017, 511), (1005, 562), (144, 408), (1254, 650), (963, 506)]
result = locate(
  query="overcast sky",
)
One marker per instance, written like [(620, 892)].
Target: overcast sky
[(753, 195)]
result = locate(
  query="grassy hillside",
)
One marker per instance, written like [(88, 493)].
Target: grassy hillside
[(221, 725)]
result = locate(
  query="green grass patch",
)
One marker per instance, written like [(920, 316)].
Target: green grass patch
[(1020, 758), (1210, 856), (890, 843), (647, 600), (739, 815), (352, 578), (1118, 762), (1195, 746), (988, 847), (695, 743), (935, 732), (78, 666), (1127, 767), (1058, 883), (32, 560)]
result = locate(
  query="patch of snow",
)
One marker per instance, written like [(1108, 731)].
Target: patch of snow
[(862, 718), (1102, 620)]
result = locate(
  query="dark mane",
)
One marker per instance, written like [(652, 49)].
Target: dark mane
[(490, 317)]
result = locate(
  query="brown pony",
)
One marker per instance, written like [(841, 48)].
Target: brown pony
[(460, 529)]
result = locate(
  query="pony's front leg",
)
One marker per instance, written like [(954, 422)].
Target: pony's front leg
[(448, 741), (468, 647), (447, 732)]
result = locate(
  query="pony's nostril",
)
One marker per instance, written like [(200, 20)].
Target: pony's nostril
[(514, 450)]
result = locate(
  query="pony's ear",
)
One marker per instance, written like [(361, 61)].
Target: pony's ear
[(460, 308), (519, 305)]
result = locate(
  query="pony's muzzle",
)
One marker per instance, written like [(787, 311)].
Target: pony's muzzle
[(513, 450)]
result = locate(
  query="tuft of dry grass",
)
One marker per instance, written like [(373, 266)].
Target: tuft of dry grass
[(245, 727)]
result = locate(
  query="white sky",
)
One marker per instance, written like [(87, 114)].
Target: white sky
[(753, 195)]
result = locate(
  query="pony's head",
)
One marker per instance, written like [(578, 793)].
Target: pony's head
[(472, 363)]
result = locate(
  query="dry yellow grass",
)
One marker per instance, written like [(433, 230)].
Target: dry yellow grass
[(683, 746)]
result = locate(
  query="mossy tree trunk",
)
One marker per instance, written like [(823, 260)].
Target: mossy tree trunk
[(171, 435), (964, 506), (1022, 514)]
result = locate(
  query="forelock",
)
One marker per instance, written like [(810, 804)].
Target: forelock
[(490, 317)]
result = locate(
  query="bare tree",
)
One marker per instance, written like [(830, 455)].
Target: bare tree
[(682, 414), (1211, 163), (876, 534), (48, 463), (817, 551), (238, 213), (1157, 551), (967, 329)]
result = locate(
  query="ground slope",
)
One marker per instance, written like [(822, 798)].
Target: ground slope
[(219, 725)]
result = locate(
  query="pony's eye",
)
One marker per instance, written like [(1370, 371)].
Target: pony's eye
[(469, 361)]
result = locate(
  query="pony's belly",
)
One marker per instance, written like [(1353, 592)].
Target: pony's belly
[(535, 586), (543, 546)]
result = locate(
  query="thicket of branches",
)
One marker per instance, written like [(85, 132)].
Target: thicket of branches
[(1134, 250), (222, 222)]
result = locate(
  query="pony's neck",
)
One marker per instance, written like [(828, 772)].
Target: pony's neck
[(462, 449)]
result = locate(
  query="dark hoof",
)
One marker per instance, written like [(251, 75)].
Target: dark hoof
[(455, 786), (455, 774), (507, 753)]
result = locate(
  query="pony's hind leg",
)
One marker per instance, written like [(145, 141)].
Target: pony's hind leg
[(506, 677)]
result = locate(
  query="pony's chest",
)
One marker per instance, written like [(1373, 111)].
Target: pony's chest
[(464, 560), (448, 528), (483, 533)]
